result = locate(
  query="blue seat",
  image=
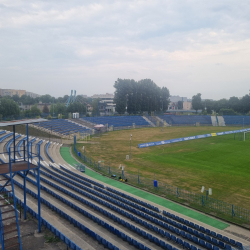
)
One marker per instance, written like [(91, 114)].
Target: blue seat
[(208, 239), (193, 247), (207, 231), (173, 238), (228, 247), (219, 236), (161, 232), (221, 244), (156, 241), (162, 244), (225, 239), (232, 242), (213, 234), (104, 242), (179, 241), (110, 246), (150, 237), (239, 245), (195, 240), (215, 248), (129, 240), (214, 241), (169, 247), (187, 245), (168, 235), (135, 243), (209, 246), (202, 243)]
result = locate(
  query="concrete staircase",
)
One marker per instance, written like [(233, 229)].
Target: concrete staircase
[(221, 121), (151, 123), (214, 121)]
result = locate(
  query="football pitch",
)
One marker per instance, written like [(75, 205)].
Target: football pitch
[(221, 162)]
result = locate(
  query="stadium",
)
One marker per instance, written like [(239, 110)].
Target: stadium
[(127, 182)]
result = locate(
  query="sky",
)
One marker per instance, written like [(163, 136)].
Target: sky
[(193, 46)]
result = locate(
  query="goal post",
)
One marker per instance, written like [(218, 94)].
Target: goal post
[(245, 136)]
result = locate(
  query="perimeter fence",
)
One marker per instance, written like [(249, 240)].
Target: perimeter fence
[(199, 201)]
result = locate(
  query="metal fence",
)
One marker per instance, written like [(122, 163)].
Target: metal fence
[(169, 191)]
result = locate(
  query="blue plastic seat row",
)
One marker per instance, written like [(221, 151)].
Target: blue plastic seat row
[(82, 177), (196, 228), (117, 197), (134, 199), (104, 212), (134, 218), (76, 179), (120, 221), (64, 178), (85, 213), (54, 230)]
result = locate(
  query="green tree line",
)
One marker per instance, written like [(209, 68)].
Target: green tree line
[(136, 97), (231, 106)]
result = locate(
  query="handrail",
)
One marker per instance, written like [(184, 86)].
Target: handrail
[(47, 147), (5, 136)]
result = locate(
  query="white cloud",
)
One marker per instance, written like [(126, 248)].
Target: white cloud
[(185, 46)]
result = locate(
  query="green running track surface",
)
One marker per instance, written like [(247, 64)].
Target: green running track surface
[(65, 153)]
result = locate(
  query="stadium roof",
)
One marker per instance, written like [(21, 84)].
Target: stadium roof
[(20, 122)]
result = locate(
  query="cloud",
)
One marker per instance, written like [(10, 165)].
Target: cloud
[(89, 44)]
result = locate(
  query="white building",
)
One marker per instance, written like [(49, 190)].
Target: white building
[(106, 104)]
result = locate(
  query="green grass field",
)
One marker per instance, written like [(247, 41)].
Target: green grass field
[(221, 162)]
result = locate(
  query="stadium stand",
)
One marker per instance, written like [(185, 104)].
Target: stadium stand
[(139, 225), (118, 121), (236, 120), (186, 119), (63, 127)]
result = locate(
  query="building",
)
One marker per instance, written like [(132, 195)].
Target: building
[(187, 105), (19, 92), (174, 105), (106, 104), (11, 92)]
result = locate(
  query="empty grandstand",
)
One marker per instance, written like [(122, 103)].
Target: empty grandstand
[(119, 121), (63, 127)]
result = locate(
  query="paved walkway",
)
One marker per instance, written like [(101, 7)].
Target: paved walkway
[(65, 152)]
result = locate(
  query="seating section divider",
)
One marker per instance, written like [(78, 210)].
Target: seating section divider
[(79, 176), (47, 151), (54, 230)]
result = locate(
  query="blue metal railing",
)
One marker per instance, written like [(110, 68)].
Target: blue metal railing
[(47, 152)]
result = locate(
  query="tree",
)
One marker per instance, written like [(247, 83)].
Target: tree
[(45, 109), (95, 106), (136, 97), (196, 102), (77, 107), (180, 104), (8, 107), (35, 110), (59, 108)]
